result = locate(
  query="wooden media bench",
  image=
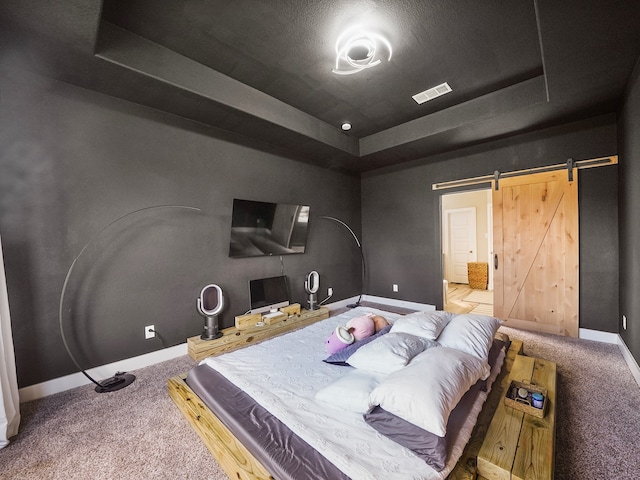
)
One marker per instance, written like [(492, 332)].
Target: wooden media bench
[(519, 446), (246, 332)]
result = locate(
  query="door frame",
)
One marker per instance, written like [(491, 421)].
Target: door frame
[(490, 239)]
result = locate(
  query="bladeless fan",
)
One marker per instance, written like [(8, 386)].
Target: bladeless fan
[(209, 296), (311, 285)]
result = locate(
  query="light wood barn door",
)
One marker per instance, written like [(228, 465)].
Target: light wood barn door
[(535, 227)]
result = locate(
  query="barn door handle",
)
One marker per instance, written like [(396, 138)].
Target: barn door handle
[(495, 261)]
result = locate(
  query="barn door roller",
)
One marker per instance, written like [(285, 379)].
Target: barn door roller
[(570, 169)]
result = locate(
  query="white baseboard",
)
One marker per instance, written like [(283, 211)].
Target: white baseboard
[(102, 372), (631, 362), (616, 339), (341, 303), (598, 336), (398, 303), (381, 300)]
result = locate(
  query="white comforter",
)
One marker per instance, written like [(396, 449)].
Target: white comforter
[(283, 376)]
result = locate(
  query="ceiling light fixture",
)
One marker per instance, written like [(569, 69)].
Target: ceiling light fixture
[(346, 126), (358, 49)]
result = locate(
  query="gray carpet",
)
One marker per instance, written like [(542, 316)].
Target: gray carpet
[(598, 407), (137, 433)]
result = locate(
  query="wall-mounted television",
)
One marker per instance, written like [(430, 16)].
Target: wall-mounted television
[(263, 228), (267, 294)]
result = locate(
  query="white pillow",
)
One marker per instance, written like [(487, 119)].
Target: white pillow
[(351, 392), (470, 333), (389, 352), (428, 389), (423, 324)]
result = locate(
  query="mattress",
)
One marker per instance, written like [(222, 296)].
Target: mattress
[(243, 387)]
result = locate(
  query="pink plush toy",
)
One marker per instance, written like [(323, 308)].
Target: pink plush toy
[(356, 329), (338, 340), (363, 326)]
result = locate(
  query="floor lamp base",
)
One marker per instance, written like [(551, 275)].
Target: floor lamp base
[(117, 382)]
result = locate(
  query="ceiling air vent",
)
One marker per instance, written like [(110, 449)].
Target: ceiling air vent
[(432, 93)]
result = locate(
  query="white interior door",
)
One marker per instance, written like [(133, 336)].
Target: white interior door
[(461, 233)]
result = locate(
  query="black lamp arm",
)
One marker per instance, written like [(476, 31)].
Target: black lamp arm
[(355, 237)]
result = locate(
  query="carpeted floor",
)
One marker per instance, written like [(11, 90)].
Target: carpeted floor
[(598, 409), (137, 433)]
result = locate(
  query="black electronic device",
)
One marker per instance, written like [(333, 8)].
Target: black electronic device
[(268, 294), (263, 228)]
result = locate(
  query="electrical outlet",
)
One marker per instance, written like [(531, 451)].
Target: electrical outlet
[(149, 332), (624, 322), (395, 287), (329, 291)]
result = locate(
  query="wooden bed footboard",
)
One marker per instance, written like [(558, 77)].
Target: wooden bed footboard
[(239, 463), (233, 457)]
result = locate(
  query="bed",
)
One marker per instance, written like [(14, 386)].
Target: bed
[(262, 413)]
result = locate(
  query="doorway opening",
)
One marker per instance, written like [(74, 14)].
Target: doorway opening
[(467, 246)]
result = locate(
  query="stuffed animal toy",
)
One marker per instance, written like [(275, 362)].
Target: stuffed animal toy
[(356, 329), (379, 322), (338, 340), (363, 326)]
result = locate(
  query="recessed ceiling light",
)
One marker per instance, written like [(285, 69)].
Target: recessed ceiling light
[(432, 93), (346, 126)]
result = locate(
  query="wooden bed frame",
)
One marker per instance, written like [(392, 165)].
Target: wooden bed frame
[(239, 463)]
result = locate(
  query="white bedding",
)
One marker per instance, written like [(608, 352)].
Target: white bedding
[(284, 374)]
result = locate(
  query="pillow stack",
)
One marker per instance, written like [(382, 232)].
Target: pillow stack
[(406, 387)]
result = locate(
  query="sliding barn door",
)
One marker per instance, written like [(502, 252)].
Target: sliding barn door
[(535, 227)]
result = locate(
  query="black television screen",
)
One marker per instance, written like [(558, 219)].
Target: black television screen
[(262, 228), (268, 294)]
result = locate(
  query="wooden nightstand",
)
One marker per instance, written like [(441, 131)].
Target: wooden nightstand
[(517, 445), (233, 339)]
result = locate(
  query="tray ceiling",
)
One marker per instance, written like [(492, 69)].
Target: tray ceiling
[(261, 70)]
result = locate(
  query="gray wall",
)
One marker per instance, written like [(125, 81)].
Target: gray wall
[(72, 161), (629, 122), (401, 215)]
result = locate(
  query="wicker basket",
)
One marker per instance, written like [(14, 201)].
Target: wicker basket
[(478, 273), (512, 400)]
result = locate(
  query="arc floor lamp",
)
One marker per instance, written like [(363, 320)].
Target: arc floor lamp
[(359, 245), (120, 379)]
